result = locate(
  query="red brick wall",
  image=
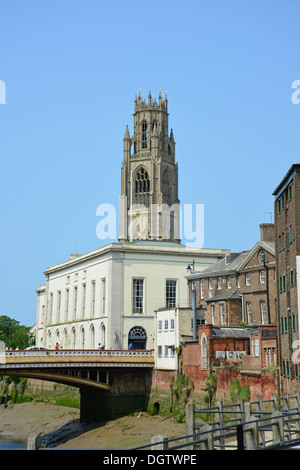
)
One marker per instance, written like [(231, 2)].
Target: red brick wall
[(263, 385), (162, 378)]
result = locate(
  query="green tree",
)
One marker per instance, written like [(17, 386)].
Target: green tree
[(181, 389), (12, 333), (211, 388)]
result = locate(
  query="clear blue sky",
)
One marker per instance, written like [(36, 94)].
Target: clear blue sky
[(71, 70)]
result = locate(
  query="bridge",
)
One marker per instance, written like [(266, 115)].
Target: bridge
[(111, 382)]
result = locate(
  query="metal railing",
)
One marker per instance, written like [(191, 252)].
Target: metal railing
[(257, 425), (244, 436)]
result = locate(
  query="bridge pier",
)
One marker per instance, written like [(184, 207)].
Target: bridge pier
[(129, 392)]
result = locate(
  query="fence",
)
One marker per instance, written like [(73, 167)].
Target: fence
[(261, 424)]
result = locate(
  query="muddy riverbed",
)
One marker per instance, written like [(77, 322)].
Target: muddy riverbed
[(60, 427)]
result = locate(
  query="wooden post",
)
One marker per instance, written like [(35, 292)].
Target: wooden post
[(259, 407), (219, 404), (34, 442), (277, 428), (190, 421), (209, 441), (159, 442), (274, 405), (250, 429), (240, 405)]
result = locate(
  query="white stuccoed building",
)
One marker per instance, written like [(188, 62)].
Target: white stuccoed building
[(109, 296)]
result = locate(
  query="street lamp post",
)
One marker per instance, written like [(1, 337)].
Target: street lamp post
[(189, 270)]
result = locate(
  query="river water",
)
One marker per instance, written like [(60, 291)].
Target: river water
[(7, 444)]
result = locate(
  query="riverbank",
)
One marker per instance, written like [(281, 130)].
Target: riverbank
[(60, 427)]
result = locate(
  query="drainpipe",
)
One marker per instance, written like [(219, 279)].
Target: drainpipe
[(268, 300), (194, 310)]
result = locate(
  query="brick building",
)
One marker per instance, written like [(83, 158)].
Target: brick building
[(241, 287), (239, 295), (287, 229)]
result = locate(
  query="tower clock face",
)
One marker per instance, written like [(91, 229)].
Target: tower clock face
[(262, 256)]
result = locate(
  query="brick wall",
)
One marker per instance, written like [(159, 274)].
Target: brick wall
[(255, 293), (288, 325), (263, 385), (161, 378)]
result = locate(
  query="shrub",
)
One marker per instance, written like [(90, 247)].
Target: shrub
[(236, 390)]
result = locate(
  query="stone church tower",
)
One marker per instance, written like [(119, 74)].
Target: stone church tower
[(149, 205)]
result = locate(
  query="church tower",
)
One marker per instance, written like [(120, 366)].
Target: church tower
[(149, 205)]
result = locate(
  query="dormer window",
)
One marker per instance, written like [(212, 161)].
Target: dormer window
[(227, 258)]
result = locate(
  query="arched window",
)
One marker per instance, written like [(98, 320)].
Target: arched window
[(204, 352), (82, 338), (137, 336), (73, 338), (142, 187), (57, 336), (65, 339), (92, 337), (249, 313), (102, 334), (263, 312), (144, 135), (49, 339)]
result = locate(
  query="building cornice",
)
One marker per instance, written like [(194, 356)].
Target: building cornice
[(181, 250)]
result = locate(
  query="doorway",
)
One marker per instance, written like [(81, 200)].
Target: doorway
[(138, 337)]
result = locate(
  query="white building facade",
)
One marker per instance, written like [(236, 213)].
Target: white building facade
[(109, 296)]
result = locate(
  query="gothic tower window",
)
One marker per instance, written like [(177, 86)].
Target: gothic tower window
[(154, 125), (144, 135), (166, 187), (142, 187)]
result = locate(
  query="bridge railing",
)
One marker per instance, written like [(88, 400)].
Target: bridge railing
[(79, 352), (76, 355)]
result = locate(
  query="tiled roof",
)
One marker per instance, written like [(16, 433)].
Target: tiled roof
[(225, 295), (223, 266), (234, 332)]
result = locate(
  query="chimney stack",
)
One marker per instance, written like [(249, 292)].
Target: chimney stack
[(267, 233)]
